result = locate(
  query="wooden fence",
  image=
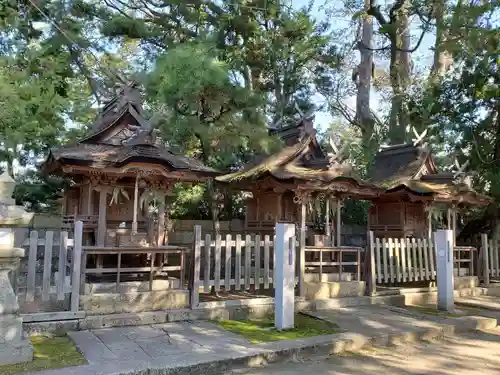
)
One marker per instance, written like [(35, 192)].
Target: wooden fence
[(403, 260), (231, 261), (399, 260), (50, 270)]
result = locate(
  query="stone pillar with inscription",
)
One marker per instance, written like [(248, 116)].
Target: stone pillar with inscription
[(14, 347)]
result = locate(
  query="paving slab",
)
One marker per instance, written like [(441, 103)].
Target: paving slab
[(205, 348), (481, 302), (376, 320)]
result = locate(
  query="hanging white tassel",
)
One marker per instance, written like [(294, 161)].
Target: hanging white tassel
[(136, 199)]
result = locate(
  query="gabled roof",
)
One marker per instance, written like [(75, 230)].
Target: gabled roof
[(411, 168), (122, 135), (397, 164), (304, 163)]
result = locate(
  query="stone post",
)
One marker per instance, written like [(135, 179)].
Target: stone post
[(285, 276), (444, 268), (14, 347)]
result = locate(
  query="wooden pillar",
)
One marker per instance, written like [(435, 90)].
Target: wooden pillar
[(339, 221), (136, 202), (454, 224), (279, 202), (302, 249), (161, 222), (89, 199), (101, 223), (328, 229), (448, 218), (429, 224)]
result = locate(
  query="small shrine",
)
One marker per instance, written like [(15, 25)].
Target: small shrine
[(283, 184), (120, 169), (414, 188)]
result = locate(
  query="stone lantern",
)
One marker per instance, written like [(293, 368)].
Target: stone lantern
[(14, 347)]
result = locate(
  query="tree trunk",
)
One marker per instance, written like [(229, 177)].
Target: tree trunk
[(442, 57), (404, 68), (363, 113)]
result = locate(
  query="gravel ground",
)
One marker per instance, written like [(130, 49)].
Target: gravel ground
[(470, 354)]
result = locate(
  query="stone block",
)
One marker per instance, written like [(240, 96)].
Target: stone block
[(100, 304), (56, 328), (326, 290), (16, 352), (11, 329), (123, 320), (466, 282)]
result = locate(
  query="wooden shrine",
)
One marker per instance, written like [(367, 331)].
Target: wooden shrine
[(118, 172), (413, 188), (300, 171)]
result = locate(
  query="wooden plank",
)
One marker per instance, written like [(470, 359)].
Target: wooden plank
[(392, 259), (384, 260), (217, 256), (373, 286), (30, 287), (227, 263), (257, 261), (397, 249), (485, 256), (492, 263), (63, 251), (497, 265), (152, 271), (420, 250), (237, 267), (248, 258), (402, 250), (47, 265), (378, 248), (410, 260), (77, 263), (432, 259), (206, 273), (266, 261), (195, 291), (414, 259), (426, 260), (118, 271)]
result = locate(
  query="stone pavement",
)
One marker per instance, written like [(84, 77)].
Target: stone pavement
[(145, 343), (204, 348)]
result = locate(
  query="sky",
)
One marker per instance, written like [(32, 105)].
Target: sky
[(422, 58)]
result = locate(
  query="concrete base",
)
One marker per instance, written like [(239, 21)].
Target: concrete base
[(18, 352), (95, 304), (326, 290), (327, 277)]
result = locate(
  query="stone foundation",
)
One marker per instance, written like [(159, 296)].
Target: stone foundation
[(326, 290), (113, 303)]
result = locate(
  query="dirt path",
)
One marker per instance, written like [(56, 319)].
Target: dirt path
[(471, 354)]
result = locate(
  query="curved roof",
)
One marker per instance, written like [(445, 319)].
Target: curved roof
[(121, 135)]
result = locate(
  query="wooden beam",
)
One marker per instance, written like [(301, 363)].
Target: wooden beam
[(101, 222)]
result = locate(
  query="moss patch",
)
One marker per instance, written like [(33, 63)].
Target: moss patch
[(262, 330), (50, 353)]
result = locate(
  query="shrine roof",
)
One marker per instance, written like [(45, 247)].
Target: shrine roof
[(120, 135), (411, 168), (397, 164), (303, 162)]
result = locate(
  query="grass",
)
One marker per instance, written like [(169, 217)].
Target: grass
[(50, 353), (262, 330)]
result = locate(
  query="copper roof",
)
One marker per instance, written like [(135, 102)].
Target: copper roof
[(114, 141), (411, 168), (303, 162)]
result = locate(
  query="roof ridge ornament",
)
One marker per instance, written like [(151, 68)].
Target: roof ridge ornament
[(338, 154), (419, 137)]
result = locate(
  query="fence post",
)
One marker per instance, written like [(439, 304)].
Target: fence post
[(372, 283), (77, 265), (486, 258), (195, 286)]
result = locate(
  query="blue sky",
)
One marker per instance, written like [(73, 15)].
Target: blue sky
[(422, 58)]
